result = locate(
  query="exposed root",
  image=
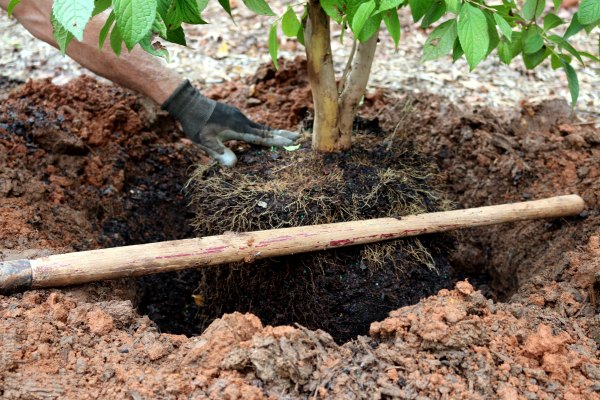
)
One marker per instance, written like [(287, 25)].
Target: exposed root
[(342, 290)]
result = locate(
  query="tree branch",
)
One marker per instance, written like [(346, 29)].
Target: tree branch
[(348, 65), (356, 84)]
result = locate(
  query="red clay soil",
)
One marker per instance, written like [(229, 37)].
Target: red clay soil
[(83, 166)]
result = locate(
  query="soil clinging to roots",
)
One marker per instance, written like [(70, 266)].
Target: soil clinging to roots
[(341, 291)]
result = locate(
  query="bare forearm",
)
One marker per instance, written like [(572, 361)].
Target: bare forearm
[(135, 70)]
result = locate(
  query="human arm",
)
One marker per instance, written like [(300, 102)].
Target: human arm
[(204, 121)]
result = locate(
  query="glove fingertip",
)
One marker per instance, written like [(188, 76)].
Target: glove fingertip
[(286, 134), (227, 159)]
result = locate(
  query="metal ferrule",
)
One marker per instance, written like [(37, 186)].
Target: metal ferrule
[(15, 276)]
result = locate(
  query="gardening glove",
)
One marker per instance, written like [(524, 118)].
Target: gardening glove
[(209, 123)]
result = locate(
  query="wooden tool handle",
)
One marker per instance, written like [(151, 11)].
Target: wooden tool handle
[(145, 259)]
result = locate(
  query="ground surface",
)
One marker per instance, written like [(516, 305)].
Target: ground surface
[(88, 166)]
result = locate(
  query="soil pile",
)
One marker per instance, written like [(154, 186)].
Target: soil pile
[(454, 345), (89, 165), (91, 156)]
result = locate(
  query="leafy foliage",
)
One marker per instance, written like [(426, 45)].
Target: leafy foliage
[(134, 19), (473, 34), (474, 29), (73, 15), (441, 41), (469, 28)]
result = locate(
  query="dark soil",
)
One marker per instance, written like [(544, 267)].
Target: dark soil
[(340, 291)]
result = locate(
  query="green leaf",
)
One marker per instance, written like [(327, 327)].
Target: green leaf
[(11, 6), (360, 17), (146, 44), (504, 52), (292, 148), (574, 27), (62, 36), (557, 4), (134, 19), (434, 14), (418, 8), (105, 29), (564, 44), (555, 62), (506, 9), (226, 6), (533, 41), (260, 7), (332, 9), (507, 51), (589, 11), (371, 27), (177, 36), (158, 26), (389, 4), (535, 59), (552, 21), (590, 27), (116, 40), (300, 35), (187, 11), (457, 51), (440, 41), (453, 6), (509, 16), (290, 23), (273, 44), (73, 15), (473, 34), (392, 23), (516, 44), (162, 7), (590, 56), (350, 7), (532, 9), (504, 26), (101, 6), (573, 83), (492, 32), (202, 5)]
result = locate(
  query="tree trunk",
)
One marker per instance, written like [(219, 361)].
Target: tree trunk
[(334, 110), (322, 79), (354, 89)]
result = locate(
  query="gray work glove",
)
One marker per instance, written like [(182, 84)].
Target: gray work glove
[(209, 123)]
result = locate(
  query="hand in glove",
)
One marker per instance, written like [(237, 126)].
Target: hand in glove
[(209, 123)]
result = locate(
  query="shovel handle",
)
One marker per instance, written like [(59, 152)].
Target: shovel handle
[(145, 259)]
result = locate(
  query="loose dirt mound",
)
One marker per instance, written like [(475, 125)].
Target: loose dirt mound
[(91, 156), (87, 165), (75, 192), (454, 345)]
